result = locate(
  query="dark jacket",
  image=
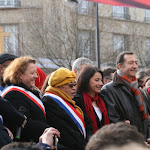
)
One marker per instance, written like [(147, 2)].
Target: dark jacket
[(78, 98), (36, 122), (122, 105), (11, 116), (57, 117)]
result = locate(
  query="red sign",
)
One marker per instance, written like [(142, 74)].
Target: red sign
[(126, 3)]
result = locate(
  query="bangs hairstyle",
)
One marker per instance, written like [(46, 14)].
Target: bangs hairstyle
[(16, 68), (85, 76)]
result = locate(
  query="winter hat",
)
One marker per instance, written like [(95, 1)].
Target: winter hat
[(61, 76), (40, 79), (5, 57)]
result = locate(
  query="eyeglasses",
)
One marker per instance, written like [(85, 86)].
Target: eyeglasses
[(71, 85)]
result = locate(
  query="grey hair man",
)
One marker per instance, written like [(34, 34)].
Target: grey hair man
[(79, 64)]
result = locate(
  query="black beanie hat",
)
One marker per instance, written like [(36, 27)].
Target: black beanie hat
[(5, 57)]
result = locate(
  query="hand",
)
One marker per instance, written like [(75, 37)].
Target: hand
[(9, 133), (47, 136), (148, 143), (24, 123), (127, 122)]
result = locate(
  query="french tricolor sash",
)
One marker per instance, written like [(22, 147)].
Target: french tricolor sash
[(29, 94), (70, 110)]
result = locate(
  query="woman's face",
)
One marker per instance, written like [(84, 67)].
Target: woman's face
[(95, 84), (29, 76), (69, 88)]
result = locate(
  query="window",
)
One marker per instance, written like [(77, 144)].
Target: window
[(83, 7), (120, 44), (148, 50), (9, 3), (84, 44), (11, 42), (147, 16), (121, 12)]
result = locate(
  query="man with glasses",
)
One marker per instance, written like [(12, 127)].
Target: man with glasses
[(108, 74)]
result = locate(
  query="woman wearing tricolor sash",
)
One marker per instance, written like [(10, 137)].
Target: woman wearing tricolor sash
[(20, 77), (62, 112)]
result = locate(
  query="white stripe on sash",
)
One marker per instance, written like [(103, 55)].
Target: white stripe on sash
[(72, 113), (29, 94)]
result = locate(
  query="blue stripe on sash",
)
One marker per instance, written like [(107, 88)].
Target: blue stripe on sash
[(68, 112)]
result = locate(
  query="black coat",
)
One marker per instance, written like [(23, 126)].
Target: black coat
[(57, 117), (10, 116), (122, 105), (78, 98), (36, 122)]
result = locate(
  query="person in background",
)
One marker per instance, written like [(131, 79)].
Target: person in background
[(123, 99), (39, 81), (116, 136), (89, 99), (5, 60), (45, 84), (79, 64), (142, 76), (20, 77), (108, 74), (62, 112)]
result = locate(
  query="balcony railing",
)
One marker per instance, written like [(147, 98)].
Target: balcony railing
[(9, 3), (121, 16)]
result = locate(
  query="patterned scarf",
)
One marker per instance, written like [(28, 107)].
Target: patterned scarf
[(89, 109), (133, 85), (66, 97)]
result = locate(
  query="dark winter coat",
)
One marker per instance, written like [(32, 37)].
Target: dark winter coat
[(57, 117), (36, 122), (10, 116), (122, 105)]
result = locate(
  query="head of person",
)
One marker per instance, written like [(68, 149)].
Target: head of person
[(147, 82), (5, 60), (39, 81), (108, 74), (63, 79), (142, 76), (119, 134), (21, 146), (90, 80), (127, 63), (21, 70), (79, 64), (45, 84)]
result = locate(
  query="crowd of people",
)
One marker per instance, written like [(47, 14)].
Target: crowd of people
[(86, 108)]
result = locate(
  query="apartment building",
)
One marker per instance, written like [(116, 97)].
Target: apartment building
[(56, 33)]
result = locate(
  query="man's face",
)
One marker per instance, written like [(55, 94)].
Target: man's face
[(129, 67), (4, 66)]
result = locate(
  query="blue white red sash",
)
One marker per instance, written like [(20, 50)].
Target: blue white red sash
[(29, 94), (70, 110)]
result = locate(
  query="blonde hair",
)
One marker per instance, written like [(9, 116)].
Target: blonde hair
[(16, 68)]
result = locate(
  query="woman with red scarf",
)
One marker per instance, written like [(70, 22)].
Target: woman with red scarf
[(88, 98)]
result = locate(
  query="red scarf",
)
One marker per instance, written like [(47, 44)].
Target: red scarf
[(89, 109)]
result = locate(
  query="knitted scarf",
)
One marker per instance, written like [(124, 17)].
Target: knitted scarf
[(66, 97), (89, 109), (133, 85)]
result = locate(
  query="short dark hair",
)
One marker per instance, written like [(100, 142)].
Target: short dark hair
[(118, 134), (84, 78), (120, 57), (107, 72), (22, 146)]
